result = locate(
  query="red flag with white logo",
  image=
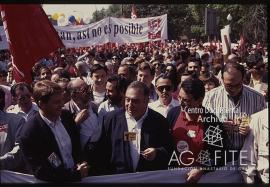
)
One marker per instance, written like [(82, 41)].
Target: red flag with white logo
[(30, 35)]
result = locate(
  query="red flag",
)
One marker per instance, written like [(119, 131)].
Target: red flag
[(133, 12), (30, 35)]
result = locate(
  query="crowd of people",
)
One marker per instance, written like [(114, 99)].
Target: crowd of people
[(130, 108)]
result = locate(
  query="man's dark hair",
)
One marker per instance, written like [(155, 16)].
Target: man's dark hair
[(253, 59), (164, 76), (173, 67), (206, 65), (123, 65), (205, 56), (43, 90), (186, 73), (185, 53), (232, 65), (121, 83), (197, 60), (97, 67), (20, 86), (141, 86), (194, 87), (43, 67), (63, 74), (145, 66)]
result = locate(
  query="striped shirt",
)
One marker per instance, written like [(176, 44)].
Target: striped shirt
[(221, 104)]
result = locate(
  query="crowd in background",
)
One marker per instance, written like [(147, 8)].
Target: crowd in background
[(99, 83)]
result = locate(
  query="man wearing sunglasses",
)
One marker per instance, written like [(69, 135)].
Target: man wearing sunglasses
[(22, 94), (158, 66), (257, 76), (164, 89), (84, 111)]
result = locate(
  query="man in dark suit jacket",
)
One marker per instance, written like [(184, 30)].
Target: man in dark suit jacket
[(50, 140), (134, 139)]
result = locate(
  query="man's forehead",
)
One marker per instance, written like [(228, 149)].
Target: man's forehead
[(192, 63), (231, 73), (79, 83), (22, 89), (134, 93), (184, 95), (163, 81), (111, 84), (123, 68), (144, 71)]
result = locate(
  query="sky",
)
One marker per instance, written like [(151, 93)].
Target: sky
[(78, 10)]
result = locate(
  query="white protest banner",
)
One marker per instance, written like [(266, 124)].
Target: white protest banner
[(226, 41), (114, 30), (84, 35), (139, 30)]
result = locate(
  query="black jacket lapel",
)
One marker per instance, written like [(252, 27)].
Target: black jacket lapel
[(47, 132), (124, 128)]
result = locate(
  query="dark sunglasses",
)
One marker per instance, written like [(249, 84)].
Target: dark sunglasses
[(167, 88), (82, 90), (24, 97)]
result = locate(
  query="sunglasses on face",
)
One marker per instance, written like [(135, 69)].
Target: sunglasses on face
[(236, 86), (23, 98), (161, 88), (82, 90)]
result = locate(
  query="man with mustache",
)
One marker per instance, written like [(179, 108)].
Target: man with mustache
[(115, 90), (164, 89), (135, 138)]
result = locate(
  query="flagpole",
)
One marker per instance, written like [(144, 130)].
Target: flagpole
[(122, 10)]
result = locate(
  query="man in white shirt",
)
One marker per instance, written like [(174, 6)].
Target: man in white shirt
[(85, 116), (145, 74), (164, 89), (135, 138), (256, 147), (49, 140), (115, 90), (99, 78), (22, 93)]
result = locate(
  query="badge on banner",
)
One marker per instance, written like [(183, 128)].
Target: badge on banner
[(182, 146), (130, 136), (54, 160)]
